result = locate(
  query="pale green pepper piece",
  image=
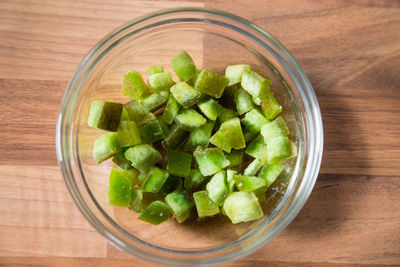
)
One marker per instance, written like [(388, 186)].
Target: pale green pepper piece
[(119, 190), (254, 120), (180, 204), (270, 172), (217, 188), (155, 213), (210, 160), (143, 156), (128, 134), (183, 66), (242, 207), (204, 205), (133, 85), (179, 163), (105, 115), (105, 147), (185, 94), (211, 83), (234, 73), (189, 119)]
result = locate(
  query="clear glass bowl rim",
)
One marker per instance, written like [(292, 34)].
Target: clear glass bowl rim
[(312, 113)]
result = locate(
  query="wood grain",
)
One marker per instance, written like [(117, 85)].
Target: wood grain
[(349, 49)]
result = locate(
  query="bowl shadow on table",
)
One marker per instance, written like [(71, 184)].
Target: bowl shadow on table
[(328, 206)]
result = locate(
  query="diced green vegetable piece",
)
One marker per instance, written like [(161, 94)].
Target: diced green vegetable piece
[(105, 147), (119, 190), (142, 178), (270, 172), (200, 136), (242, 207), (160, 82), (211, 83), (210, 108), (254, 120), (248, 135), (180, 204), (105, 115), (235, 158), (279, 149), (164, 94), (171, 110), (194, 180), (243, 100), (230, 179), (173, 183), (234, 73), (138, 113), (258, 149), (124, 115), (185, 94), (143, 156), (226, 114), (179, 163), (175, 138), (275, 128), (269, 106), (153, 102), (121, 161), (210, 160), (151, 132), (192, 80), (248, 183), (183, 66), (136, 200), (155, 69), (227, 99), (149, 198), (189, 119), (260, 194), (155, 213), (155, 179), (232, 131), (131, 174), (255, 84), (217, 188), (204, 205), (133, 86), (219, 140), (163, 124), (128, 134), (253, 167)]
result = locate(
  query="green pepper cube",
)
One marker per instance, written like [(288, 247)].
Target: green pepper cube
[(275, 128), (179, 163), (138, 113), (269, 106), (175, 138), (243, 101), (248, 183), (254, 120), (232, 131), (119, 190), (248, 135), (219, 140), (143, 156), (136, 200), (185, 94), (253, 168), (226, 114), (120, 160), (189, 119), (142, 178), (242, 207), (210, 108), (258, 149), (234, 73), (160, 81), (270, 172), (155, 213), (171, 184), (228, 97), (125, 115), (255, 84), (200, 136), (211, 83), (133, 85), (154, 180), (230, 179), (128, 134), (154, 69), (171, 110), (131, 174), (105, 147), (105, 115), (153, 102), (204, 205), (151, 132), (217, 188), (280, 149), (194, 180), (163, 124), (180, 204), (234, 157), (164, 94), (210, 160), (260, 194), (184, 66)]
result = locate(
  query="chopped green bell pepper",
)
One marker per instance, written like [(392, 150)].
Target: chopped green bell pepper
[(105, 147), (155, 213), (179, 163), (105, 115), (143, 156), (211, 83)]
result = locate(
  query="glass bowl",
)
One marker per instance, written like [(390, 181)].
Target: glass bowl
[(214, 39)]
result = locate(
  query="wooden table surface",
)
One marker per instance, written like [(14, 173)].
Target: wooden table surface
[(349, 49)]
